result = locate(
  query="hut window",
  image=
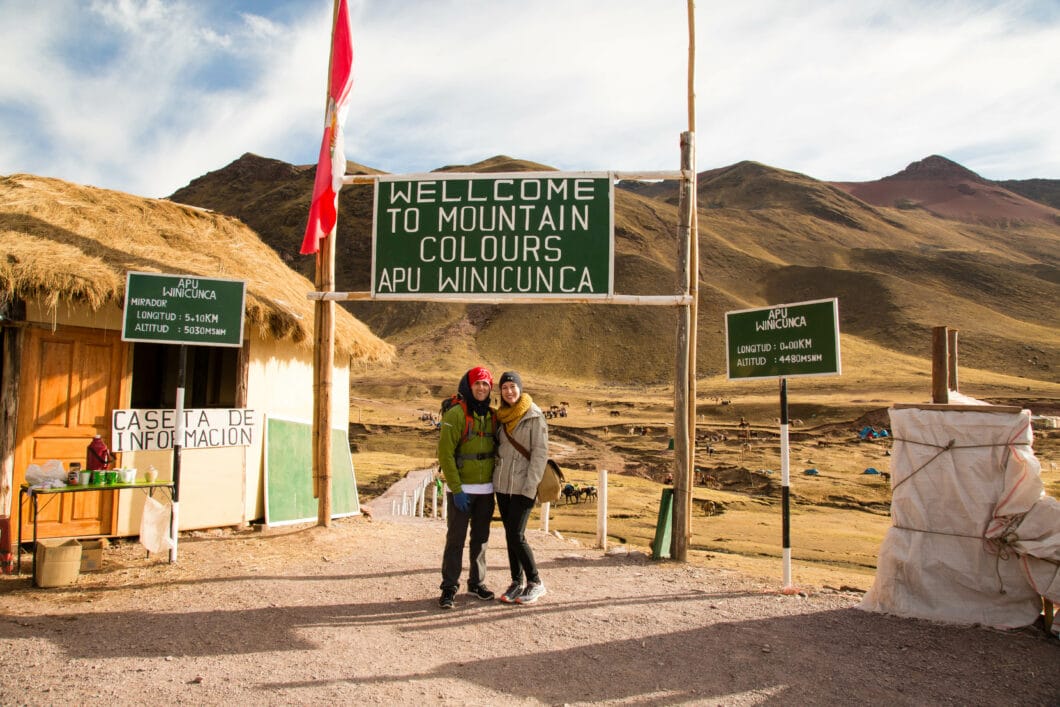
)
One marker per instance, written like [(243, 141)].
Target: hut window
[(209, 381)]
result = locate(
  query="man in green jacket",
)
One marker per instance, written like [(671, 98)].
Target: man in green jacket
[(466, 449)]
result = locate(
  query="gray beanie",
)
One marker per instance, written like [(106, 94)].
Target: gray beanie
[(513, 377)]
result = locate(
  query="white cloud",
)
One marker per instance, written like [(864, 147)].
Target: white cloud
[(145, 95), (554, 82), (130, 15), (919, 80), (261, 27)]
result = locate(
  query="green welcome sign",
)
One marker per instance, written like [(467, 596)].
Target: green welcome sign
[(785, 340), (183, 309), (495, 235)]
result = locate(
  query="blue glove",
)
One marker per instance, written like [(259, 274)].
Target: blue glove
[(462, 501)]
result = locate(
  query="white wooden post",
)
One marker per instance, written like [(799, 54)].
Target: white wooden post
[(545, 509), (785, 484), (404, 503), (434, 500), (601, 512)]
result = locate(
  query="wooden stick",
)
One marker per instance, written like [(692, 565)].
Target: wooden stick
[(1006, 409), (642, 175), (656, 300), (939, 359), (952, 360), (10, 373), (683, 444)]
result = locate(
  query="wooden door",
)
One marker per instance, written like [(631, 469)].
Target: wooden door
[(70, 382)]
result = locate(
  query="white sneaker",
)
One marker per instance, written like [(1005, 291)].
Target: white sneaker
[(533, 592)]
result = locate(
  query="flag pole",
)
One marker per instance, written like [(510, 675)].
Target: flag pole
[(324, 364), (324, 344)]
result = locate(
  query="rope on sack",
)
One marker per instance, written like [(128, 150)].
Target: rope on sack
[(952, 444), (1000, 546), (936, 532), (942, 450)]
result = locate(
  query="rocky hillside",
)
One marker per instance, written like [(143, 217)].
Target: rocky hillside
[(944, 188), (932, 245)]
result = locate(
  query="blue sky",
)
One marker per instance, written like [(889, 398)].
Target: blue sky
[(145, 95)]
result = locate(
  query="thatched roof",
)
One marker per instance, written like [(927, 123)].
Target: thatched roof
[(66, 242)]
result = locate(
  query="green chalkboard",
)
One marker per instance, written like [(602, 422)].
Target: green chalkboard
[(289, 473)]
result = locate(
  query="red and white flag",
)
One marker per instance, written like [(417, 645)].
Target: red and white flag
[(331, 165)]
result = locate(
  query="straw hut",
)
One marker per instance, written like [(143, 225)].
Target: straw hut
[(65, 251)]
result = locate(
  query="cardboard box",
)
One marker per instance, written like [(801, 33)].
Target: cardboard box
[(58, 562), (92, 554)]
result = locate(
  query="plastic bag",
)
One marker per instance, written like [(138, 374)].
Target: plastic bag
[(154, 527), (34, 475), (51, 475)]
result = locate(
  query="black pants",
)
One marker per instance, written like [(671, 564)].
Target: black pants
[(515, 512), (478, 517)]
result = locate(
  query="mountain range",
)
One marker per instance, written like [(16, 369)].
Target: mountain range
[(933, 245)]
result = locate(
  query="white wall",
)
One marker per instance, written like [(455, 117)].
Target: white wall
[(211, 488), (281, 384)]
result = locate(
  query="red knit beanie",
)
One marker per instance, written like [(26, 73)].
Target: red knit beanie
[(478, 373)]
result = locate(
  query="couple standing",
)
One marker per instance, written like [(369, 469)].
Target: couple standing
[(485, 453)]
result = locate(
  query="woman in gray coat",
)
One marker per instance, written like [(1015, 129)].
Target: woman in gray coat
[(523, 452)]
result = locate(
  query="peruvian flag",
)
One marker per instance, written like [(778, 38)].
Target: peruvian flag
[(331, 165)]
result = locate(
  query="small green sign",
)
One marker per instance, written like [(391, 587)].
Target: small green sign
[(495, 235), (183, 309), (800, 339)]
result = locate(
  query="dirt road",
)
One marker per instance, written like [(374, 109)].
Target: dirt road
[(349, 613)]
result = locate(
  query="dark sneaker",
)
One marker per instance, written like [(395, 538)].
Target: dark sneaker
[(533, 592), (448, 598), (481, 592), (513, 592)]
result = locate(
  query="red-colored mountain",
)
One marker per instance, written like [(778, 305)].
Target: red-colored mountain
[(948, 190)]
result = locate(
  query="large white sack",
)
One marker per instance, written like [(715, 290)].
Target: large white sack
[(970, 520), (950, 578)]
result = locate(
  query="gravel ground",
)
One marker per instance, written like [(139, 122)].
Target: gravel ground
[(312, 615)]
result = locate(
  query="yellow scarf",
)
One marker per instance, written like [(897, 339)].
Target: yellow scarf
[(511, 414)]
